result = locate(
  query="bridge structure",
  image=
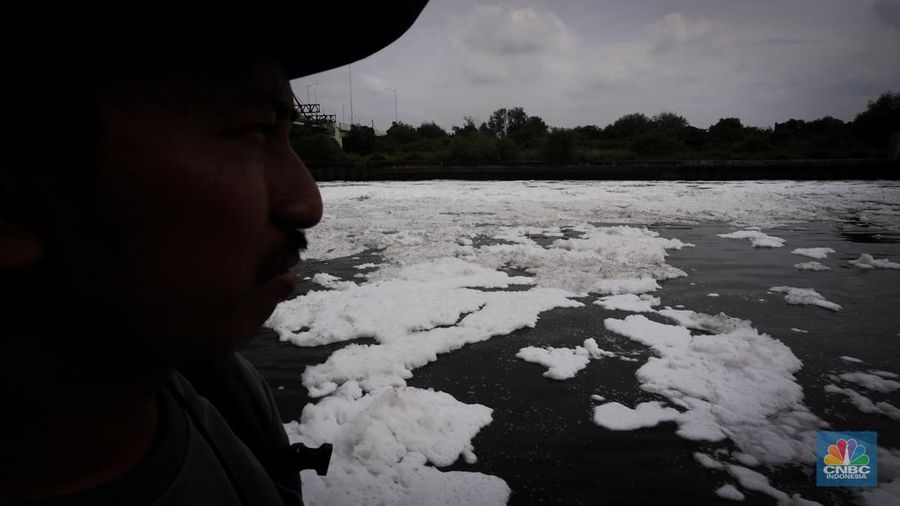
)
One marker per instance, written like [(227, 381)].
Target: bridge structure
[(311, 114)]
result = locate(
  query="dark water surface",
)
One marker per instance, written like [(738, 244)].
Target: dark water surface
[(542, 440)]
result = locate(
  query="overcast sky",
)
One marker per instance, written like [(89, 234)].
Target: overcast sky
[(580, 62)]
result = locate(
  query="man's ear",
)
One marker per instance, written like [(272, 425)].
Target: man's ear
[(20, 247)]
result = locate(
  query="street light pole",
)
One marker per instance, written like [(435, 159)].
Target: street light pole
[(308, 86), (350, 80), (396, 116)]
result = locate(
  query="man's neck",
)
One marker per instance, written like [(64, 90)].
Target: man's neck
[(69, 428)]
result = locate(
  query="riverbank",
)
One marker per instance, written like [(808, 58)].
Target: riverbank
[(664, 170)]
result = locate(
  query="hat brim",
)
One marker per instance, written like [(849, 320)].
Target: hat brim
[(354, 30), (308, 37)]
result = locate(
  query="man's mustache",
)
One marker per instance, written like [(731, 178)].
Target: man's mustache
[(296, 240), (284, 255)]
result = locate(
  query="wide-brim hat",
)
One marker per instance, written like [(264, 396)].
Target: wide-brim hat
[(58, 38), (350, 31)]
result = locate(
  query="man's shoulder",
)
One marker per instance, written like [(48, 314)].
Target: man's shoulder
[(240, 394), (231, 400)]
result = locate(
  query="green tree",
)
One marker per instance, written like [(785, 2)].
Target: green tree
[(497, 123), (319, 148), (431, 130), (524, 130), (882, 116), (657, 144), (628, 127), (468, 127), (360, 140), (471, 148), (559, 147), (726, 130), (669, 121), (402, 133), (516, 119)]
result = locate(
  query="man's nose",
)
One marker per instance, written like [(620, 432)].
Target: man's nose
[(296, 201)]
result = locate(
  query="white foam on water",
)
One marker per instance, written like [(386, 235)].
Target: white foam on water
[(817, 253), (746, 459), (604, 260), (383, 442), (427, 295), (730, 492), (329, 281), (871, 381), (736, 383), (757, 482), (392, 360), (812, 266), (628, 302), (851, 359), (563, 363), (866, 261), (799, 331), (623, 286), (757, 239), (616, 416), (419, 310), (416, 221), (424, 310), (888, 491), (708, 461), (423, 223), (864, 404), (805, 297)]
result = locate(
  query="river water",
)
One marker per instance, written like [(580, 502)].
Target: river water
[(542, 440)]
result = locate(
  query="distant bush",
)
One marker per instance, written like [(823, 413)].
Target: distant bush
[(480, 148), (559, 146), (882, 117), (319, 148), (511, 134)]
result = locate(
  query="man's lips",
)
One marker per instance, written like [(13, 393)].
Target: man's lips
[(286, 256), (288, 262)]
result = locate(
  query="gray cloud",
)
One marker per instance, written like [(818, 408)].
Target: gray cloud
[(888, 11), (590, 61), (675, 30), (511, 32)]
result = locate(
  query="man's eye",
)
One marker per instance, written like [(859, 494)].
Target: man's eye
[(257, 132)]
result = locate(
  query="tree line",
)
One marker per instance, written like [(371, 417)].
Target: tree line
[(511, 135)]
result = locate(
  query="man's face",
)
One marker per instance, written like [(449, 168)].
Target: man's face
[(198, 196)]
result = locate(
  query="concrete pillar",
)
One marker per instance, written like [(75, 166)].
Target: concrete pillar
[(337, 136)]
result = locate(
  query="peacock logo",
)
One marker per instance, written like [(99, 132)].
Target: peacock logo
[(847, 459), (846, 452)]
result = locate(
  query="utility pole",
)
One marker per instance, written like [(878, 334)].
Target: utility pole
[(396, 116), (350, 80)]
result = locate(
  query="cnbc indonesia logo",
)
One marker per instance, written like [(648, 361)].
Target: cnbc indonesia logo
[(846, 461)]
